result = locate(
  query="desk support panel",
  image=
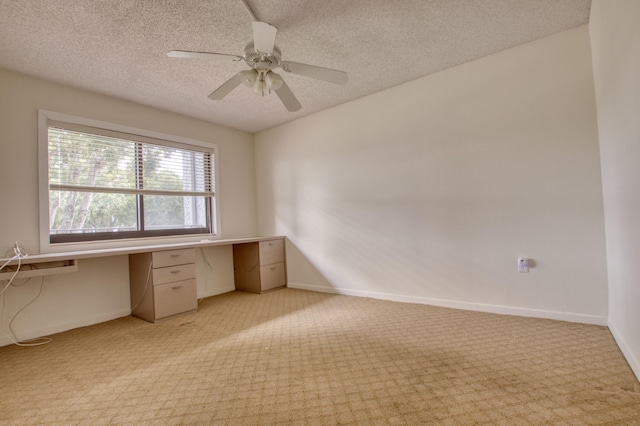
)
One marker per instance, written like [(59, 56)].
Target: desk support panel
[(39, 269)]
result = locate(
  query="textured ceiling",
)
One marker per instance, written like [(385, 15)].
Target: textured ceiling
[(118, 47)]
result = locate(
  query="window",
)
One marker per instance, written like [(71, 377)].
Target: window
[(107, 184)]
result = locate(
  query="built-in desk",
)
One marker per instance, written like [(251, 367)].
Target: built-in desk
[(162, 277)]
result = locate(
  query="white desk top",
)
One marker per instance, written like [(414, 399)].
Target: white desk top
[(85, 254)]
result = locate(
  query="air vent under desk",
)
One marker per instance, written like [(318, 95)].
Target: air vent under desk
[(259, 266)]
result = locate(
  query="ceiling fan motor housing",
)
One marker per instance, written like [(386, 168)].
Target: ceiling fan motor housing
[(261, 61)]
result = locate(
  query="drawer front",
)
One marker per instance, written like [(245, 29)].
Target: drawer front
[(271, 251), (272, 276), (173, 257), (175, 298), (170, 274)]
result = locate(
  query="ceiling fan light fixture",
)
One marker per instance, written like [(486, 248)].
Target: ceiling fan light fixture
[(260, 88), (274, 80), (249, 77)]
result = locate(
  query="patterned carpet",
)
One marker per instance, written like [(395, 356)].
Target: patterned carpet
[(304, 358)]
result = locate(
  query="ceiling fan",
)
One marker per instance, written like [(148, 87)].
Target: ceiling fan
[(263, 56)]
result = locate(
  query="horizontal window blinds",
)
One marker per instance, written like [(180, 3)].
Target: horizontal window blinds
[(96, 160)]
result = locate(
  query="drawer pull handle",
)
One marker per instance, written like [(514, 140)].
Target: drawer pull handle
[(176, 287), (273, 268), (175, 271), (174, 255)]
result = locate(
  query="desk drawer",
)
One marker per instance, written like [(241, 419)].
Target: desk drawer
[(170, 274), (271, 251), (272, 276), (173, 257), (175, 298)]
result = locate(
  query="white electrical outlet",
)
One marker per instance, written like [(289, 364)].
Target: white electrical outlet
[(523, 264)]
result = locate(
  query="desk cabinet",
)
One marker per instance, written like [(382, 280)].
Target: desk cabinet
[(163, 284), (259, 266)]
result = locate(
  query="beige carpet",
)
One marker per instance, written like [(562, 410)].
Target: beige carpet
[(304, 358)]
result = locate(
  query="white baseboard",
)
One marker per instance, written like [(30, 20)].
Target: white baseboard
[(496, 309), (58, 328), (634, 363), (480, 307)]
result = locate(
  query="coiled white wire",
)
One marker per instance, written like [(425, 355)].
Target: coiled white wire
[(19, 252)]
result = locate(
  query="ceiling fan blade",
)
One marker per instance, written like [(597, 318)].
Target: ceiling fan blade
[(246, 5), (202, 55), (264, 37), (226, 87), (319, 73), (288, 98)]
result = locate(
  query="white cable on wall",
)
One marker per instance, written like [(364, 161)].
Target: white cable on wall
[(19, 253), (146, 286), (204, 256)]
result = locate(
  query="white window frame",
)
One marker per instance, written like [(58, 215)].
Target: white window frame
[(46, 246)]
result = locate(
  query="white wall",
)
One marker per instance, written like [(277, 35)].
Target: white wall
[(100, 289), (429, 192), (615, 40)]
